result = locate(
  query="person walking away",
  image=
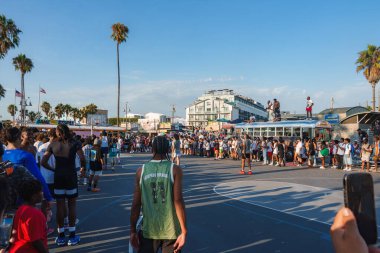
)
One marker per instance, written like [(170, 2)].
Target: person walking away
[(29, 221), (65, 150), (176, 150), (376, 156), (254, 150), (246, 155), (113, 153), (105, 149), (96, 165), (340, 153), (309, 108), (366, 154), (348, 155), (158, 193)]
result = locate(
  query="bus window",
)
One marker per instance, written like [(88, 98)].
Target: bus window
[(256, 132), (271, 132), (306, 133), (250, 131), (297, 132), (279, 131), (288, 132)]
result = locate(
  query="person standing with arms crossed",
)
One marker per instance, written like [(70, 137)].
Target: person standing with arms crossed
[(158, 191)]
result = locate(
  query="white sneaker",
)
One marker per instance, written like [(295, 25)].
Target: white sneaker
[(349, 169), (322, 168), (276, 164), (270, 164), (345, 169)]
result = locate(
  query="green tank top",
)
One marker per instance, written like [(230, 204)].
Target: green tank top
[(160, 218)]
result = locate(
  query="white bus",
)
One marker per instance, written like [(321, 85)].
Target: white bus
[(289, 129)]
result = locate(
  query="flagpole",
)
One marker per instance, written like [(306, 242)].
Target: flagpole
[(39, 97)]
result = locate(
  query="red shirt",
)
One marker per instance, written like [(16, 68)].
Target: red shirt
[(30, 224)]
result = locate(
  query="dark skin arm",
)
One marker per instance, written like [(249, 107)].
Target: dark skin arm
[(179, 205), (39, 246), (135, 210)]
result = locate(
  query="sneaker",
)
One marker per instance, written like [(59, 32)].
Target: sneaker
[(270, 164), (349, 169), (95, 190), (242, 172), (345, 169), (60, 241), (250, 173), (322, 168), (276, 164), (73, 240)]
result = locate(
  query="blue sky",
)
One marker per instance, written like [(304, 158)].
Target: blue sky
[(177, 49)]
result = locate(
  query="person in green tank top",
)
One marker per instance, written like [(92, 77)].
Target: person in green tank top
[(158, 194)]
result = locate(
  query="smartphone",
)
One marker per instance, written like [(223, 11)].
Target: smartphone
[(6, 230), (359, 198)]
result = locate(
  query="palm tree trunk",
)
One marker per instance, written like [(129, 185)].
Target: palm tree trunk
[(373, 96), (118, 85), (22, 99)]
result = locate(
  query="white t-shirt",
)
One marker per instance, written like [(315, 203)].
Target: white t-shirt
[(340, 151), (299, 147), (119, 143), (335, 150), (347, 151), (309, 103), (48, 175), (104, 142)]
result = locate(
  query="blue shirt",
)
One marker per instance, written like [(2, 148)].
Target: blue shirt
[(26, 159)]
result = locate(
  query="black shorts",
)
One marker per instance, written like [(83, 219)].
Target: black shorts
[(51, 189), (254, 152), (65, 186), (246, 156), (152, 245), (104, 150)]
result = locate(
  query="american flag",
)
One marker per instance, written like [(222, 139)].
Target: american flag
[(18, 94), (42, 91)]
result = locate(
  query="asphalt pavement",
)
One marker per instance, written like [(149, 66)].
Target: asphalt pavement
[(274, 210)]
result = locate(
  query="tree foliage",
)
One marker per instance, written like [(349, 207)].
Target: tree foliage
[(9, 35), (12, 109), (46, 107)]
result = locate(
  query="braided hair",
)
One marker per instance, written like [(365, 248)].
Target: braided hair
[(64, 132), (160, 146)]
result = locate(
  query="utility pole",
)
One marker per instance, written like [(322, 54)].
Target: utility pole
[(173, 112)]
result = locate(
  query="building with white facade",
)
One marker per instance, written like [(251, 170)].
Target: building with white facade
[(223, 105)]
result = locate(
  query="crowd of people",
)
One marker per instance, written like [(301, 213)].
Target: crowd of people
[(50, 165)]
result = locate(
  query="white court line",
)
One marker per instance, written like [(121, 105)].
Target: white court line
[(235, 197)]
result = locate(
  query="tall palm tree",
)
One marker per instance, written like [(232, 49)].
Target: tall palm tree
[(46, 107), (76, 113), (120, 35), (24, 65), (8, 35), (12, 109), (67, 110), (51, 115), (369, 63), (32, 116), (59, 110)]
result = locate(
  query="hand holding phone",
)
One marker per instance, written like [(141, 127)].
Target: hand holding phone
[(359, 198)]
